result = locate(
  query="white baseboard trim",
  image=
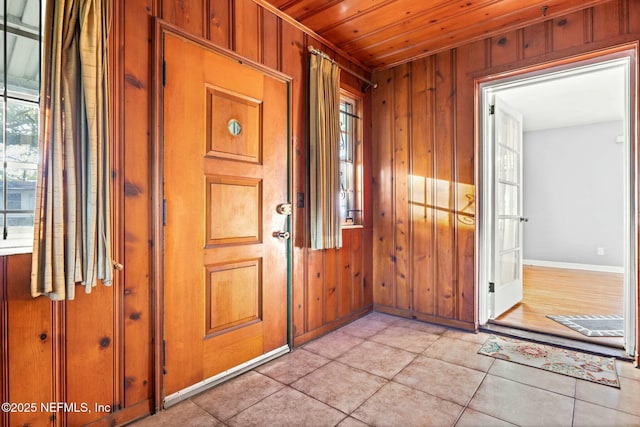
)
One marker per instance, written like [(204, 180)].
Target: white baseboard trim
[(574, 266)]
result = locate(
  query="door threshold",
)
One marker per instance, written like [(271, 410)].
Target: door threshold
[(210, 382), (557, 341)]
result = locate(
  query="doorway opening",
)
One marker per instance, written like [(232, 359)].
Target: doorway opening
[(557, 201)]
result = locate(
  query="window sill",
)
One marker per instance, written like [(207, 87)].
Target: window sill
[(16, 250), (351, 226)]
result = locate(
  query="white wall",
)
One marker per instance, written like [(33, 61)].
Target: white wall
[(573, 194)]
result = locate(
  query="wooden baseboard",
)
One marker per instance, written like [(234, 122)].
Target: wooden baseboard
[(408, 314), (125, 416), (316, 333)]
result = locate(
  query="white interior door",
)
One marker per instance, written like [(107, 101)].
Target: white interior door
[(507, 212)]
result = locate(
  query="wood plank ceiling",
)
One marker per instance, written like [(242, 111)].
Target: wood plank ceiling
[(384, 33)]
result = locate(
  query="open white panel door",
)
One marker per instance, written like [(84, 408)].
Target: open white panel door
[(506, 288)]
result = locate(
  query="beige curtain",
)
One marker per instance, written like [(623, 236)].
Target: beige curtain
[(72, 219), (324, 127)]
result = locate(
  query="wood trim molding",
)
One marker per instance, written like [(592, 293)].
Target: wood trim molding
[(156, 219), (116, 53), (624, 46), (163, 26), (565, 58)]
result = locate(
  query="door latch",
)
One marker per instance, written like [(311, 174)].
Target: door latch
[(284, 235)]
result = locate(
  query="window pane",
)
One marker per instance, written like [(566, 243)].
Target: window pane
[(22, 132), (23, 62), (346, 131), (346, 191), (507, 199), (20, 229), (21, 189), (508, 267), (19, 78), (507, 165), (21, 155), (508, 234), (349, 155)]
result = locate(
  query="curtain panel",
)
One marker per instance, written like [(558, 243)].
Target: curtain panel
[(324, 128), (72, 227)]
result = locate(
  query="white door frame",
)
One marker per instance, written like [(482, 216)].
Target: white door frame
[(485, 175)]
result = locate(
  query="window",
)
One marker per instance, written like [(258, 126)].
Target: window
[(350, 161), (20, 43)]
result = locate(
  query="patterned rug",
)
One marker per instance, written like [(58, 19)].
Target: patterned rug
[(601, 370), (597, 325)]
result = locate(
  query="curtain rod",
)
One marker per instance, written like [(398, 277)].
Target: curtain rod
[(353, 73)]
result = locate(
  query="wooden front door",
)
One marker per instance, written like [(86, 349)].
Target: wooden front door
[(225, 172)]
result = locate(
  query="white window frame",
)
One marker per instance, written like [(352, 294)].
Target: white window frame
[(351, 186)]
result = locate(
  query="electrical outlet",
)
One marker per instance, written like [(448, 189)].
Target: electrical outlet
[(600, 251)]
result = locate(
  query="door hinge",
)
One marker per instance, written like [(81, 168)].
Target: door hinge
[(492, 110), (164, 73), (492, 287), (164, 356), (164, 211)]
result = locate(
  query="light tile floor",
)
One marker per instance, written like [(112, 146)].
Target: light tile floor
[(383, 370)]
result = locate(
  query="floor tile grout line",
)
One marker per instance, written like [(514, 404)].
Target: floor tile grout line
[(253, 404), (466, 406)]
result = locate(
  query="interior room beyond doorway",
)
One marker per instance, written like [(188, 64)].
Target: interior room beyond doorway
[(582, 292)]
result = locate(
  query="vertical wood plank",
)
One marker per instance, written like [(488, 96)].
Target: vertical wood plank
[(382, 186), (365, 279), (271, 40), (421, 199), (330, 284), (247, 29), (402, 154), (186, 14), (30, 340), (569, 31), (345, 275), (137, 204), (633, 16), (535, 40), (606, 21), (444, 185), (89, 344), (315, 291), (505, 48), (467, 58), (219, 22), (368, 277), (357, 273)]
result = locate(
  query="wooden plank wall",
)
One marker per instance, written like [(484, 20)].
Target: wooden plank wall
[(98, 348), (423, 159)]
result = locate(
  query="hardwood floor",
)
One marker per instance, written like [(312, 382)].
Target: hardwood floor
[(565, 292)]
